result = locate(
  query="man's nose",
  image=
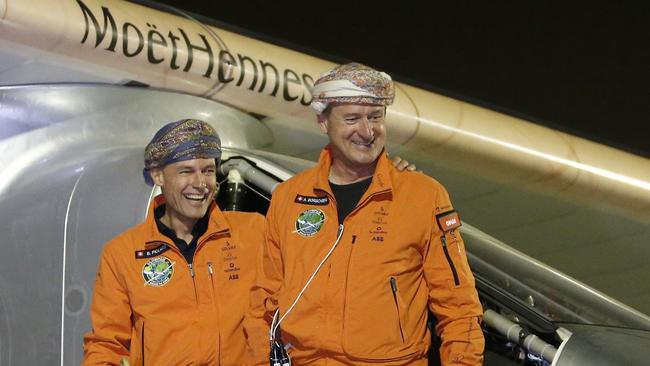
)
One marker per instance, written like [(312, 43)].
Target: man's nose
[(199, 180), (365, 129)]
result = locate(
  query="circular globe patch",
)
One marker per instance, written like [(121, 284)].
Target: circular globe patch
[(309, 222), (158, 271)]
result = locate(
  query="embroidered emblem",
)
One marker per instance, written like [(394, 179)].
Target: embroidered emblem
[(309, 222), (158, 271), (153, 252), (307, 200), (448, 220)]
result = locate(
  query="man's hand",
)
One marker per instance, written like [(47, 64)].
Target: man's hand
[(402, 164)]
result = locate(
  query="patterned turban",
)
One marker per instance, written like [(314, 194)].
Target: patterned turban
[(186, 139), (352, 83)]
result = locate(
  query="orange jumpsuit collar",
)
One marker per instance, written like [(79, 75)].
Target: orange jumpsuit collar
[(217, 223), (381, 179)]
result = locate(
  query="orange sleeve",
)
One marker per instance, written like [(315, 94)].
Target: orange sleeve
[(110, 315), (452, 293), (263, 301)]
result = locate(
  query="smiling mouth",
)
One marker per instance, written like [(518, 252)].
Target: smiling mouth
[(195, 197), (364, 143)]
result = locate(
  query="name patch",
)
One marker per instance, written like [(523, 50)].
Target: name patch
[(307, 200), (448, 220), (149, 253)]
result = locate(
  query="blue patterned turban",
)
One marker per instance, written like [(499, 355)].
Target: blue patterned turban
[(186, 139)]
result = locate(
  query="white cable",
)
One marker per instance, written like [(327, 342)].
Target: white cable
[(273, 322), (273, 330)]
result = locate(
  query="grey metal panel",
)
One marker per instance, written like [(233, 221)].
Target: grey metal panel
[(602, 346), (552, 292), (109, 198), (31, 268)]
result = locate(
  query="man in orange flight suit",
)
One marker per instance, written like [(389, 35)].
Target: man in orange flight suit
[(173, 290), (355, 252)]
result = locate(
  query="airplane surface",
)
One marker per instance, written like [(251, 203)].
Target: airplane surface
[(556, 226)]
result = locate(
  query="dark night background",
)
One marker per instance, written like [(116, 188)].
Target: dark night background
[(582, 68)]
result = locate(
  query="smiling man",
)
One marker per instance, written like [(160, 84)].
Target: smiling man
[(355, 253), (173, 290)]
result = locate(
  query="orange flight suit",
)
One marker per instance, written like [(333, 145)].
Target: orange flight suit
[(400, 252), (150, 306)]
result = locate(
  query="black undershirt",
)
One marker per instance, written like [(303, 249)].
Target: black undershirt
[(348, 195), (186, 249)]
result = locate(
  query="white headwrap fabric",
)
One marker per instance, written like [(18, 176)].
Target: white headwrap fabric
[(352, 83)]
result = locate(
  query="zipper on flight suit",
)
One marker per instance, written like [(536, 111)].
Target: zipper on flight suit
[(211, 272), (199, 244), (216, 305), (196, 295), (443, 241), (189, 266), (393, 288)]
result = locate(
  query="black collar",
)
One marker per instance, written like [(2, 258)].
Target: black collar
[(187, 249)]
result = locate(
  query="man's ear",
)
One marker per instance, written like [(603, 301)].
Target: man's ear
[(322, 123), (157, 176)]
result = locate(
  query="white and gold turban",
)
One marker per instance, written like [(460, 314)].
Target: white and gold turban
[(352, 83)]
